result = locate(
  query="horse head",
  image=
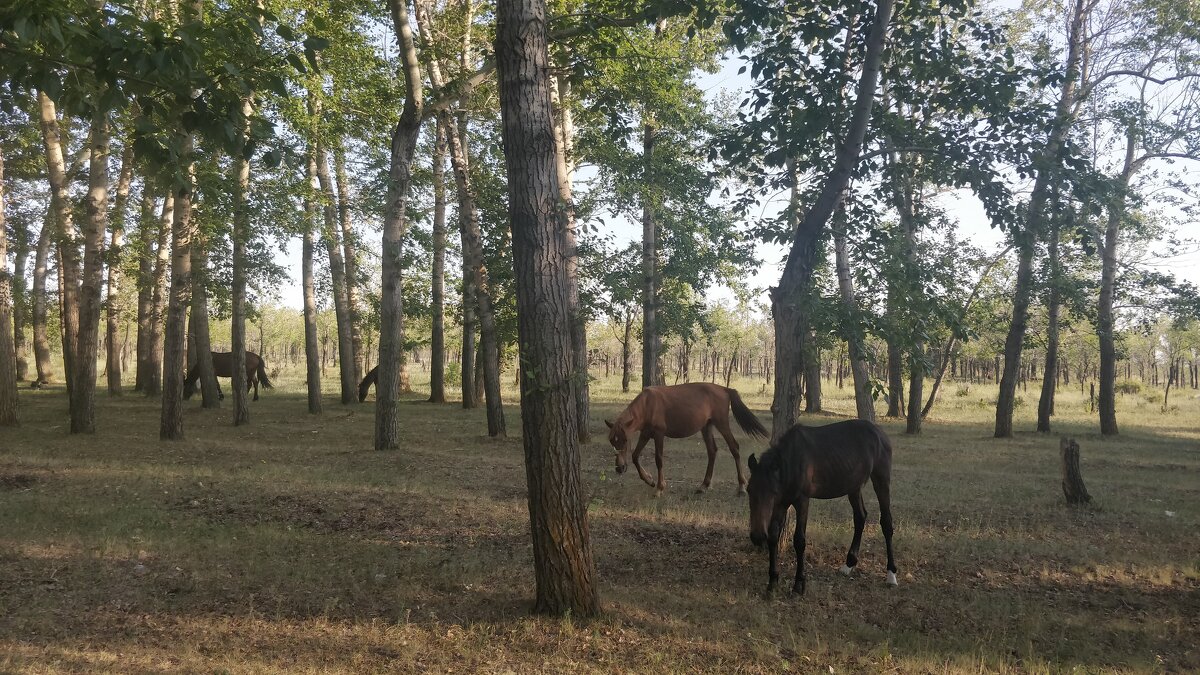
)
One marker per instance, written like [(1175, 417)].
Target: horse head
[(764, 491), (618, 437)]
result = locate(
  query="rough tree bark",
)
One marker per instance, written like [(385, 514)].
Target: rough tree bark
[(563, 566), (437, 348), (145, 284), (391, 305), (337, 273), (20, 301), (863, 402), (1105, 320), (790, 297), (41, 331), (116, 297), (350, 257), (240, 236), (199, 323), (158, 298), (1050, 372), (8, 352), (174, 334), (312, 347), (83, 388), (651, 341)]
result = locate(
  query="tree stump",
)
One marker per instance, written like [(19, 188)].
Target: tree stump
[(1072, 480)]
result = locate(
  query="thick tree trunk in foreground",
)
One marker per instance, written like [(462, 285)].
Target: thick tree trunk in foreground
[(1050, 372), (563, 567), (41, 331), (8, 352), (116, 297), (790, 297), (391, 305), (863, 402), (175, 335), (158, 298), (437, 349), (312, 347)]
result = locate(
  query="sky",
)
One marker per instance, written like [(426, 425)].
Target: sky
[(973, 224)]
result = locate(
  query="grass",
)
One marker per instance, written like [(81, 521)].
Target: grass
[(291, 546)]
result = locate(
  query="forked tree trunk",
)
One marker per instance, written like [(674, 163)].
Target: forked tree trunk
[(41, 331), (563, 568), (863, 402), (350, 258), (795, 289), (337, 272), (175, 333), (8, 353), (312, 347), (391, 305), (240, 236), (158, 298), (116, 297), (437, 350)]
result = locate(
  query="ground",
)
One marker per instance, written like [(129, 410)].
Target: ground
[(291, 546)]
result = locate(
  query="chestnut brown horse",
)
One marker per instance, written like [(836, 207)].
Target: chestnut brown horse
[(256, 372), (680, 411), (827, 462)]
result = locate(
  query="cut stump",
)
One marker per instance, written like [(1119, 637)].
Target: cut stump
[(1072, 480)]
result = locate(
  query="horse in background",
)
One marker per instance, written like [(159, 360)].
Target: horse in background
[(827, 462), (680, 411), (256, 372), (364, 387)]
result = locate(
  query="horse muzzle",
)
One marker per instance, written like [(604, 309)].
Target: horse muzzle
[(622, 468)]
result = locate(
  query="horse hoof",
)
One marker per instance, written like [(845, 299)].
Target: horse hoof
[(741, 490), (891, 580), (846, 569), (797, 590)]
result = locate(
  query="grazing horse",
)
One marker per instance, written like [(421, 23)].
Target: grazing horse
[(367, 383), (256, 372), (826, 462), (678, 412)]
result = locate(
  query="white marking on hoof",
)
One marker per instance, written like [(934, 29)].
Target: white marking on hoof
[(891, 579), (846, 569)]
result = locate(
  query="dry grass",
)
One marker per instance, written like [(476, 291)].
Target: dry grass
[(290, 546)]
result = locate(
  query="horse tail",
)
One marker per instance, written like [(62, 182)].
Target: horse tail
[(262, 374), (365, 385), (744, 416)]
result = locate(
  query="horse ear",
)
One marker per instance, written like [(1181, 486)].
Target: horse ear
[(608, 423), (752, 462)]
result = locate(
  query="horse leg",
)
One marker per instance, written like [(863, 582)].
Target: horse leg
[(658, 462), (723, 427), (220, 394), (860, 521), (774, 531), (711, 444), (799, 543), (637, 459), (253, 379), (883, 491)]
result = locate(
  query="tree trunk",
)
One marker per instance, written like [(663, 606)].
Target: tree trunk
[(337, 273), (158, 300), (1034, 222), (1105, 321), (1050, 372), (812, 380), (175, 336), (41, 331), (790, 298), (240, 236), (564, 142), (20, 296), (83, 389), (350, 258), (312, 354), (651, 340), (8, 352), (199, 323), (1072, 481), (864, 403), (115, 293), (626, 353), (437, 355), (145, 284), (563, 566), (895, 373), (391, 306)]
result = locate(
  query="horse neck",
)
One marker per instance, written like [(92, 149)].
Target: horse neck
[(632, 414)]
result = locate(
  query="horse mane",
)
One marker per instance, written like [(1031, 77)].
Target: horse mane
[(782, 454)]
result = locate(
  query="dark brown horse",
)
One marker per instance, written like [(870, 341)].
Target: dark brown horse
[(256, 372), (367, 383), (835, 460), (678, 412)]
